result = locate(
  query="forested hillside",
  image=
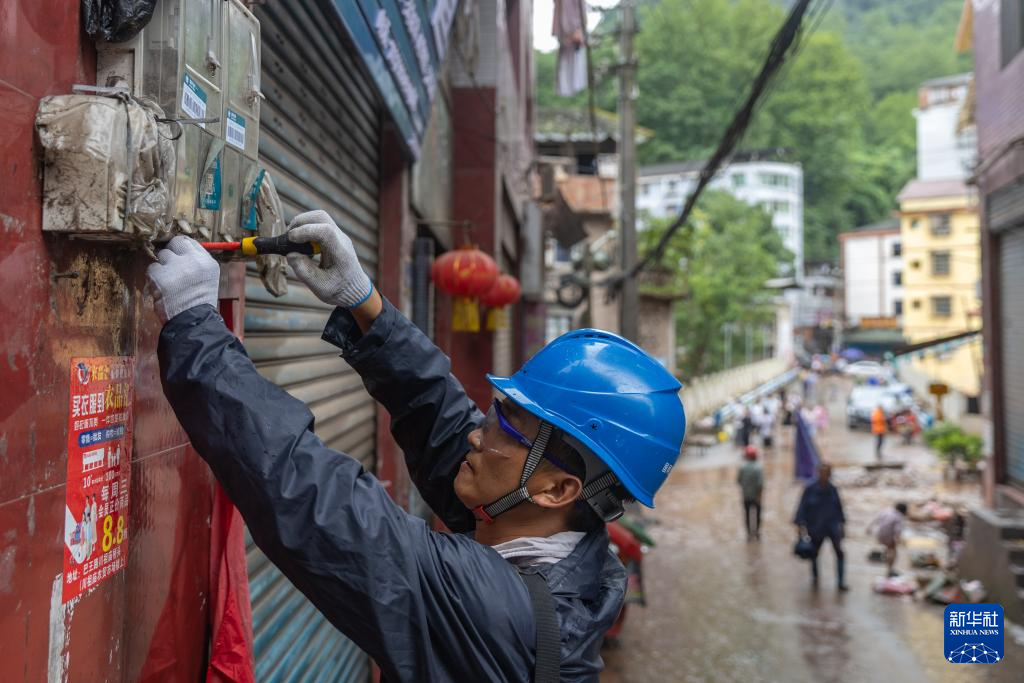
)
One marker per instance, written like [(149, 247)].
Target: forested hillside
[(843, 105)]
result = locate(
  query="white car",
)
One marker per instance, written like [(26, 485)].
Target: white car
[(866, 369), (863, 400)]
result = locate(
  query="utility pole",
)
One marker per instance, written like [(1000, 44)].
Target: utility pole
[(727, 330), (629, 300)]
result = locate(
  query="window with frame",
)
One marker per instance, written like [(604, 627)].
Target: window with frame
[(739, 179), (941, 224), (897, 248), (897, 277), (897, 307), (774, 179), (776, 206), (940, 262), (942, 306)]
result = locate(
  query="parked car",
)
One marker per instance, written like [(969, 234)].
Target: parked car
[(894, 398), (863, 400), (865, 369)]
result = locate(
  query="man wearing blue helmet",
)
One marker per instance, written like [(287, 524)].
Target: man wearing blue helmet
[(525, 587)]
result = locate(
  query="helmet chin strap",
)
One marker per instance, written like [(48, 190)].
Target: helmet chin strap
[(600, 493), (487, 513)]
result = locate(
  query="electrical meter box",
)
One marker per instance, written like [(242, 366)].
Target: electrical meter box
[(199, 60)]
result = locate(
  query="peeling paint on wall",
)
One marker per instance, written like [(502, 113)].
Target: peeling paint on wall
[(7, 565), (60, 626)]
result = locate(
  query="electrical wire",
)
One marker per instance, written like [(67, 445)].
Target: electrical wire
[(777, 55)]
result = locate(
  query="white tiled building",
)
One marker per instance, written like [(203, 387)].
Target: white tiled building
[(872, 264), (776, 186)]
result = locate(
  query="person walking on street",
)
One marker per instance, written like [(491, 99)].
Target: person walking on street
[(524, 588), (879, 426), (746, 427), (750, 477), (820, 516), (889, 528), (766, 423)]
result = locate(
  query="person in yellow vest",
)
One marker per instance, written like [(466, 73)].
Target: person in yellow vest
[(879, 426)]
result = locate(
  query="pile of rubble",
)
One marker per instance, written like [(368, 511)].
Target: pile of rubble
[(937, 530)]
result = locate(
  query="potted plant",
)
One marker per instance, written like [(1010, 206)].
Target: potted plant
[(961, 451)]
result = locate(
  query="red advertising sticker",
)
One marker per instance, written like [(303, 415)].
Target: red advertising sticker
[(99, 455)]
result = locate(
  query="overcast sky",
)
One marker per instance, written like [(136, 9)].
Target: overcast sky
[(542, 9)]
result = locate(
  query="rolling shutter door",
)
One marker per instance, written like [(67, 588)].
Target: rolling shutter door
[(1011, 284), (319, 139)]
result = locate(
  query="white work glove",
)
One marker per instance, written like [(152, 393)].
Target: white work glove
[(338, 280), (185, 277)]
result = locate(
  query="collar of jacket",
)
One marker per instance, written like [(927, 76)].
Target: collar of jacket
[(582, 573)]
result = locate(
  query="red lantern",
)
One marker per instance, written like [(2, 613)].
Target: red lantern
[(464, 273), (504, 292)]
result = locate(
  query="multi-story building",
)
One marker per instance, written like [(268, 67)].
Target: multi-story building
[(871, 258), (999, 87), (579, 193), (757, 178), (939, 236), (998, 43)]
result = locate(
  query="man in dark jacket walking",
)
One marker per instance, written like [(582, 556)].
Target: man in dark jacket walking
[(820, 516), (750, 477), (587, 424)]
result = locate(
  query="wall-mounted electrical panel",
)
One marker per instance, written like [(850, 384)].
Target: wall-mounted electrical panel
[(199, 60)]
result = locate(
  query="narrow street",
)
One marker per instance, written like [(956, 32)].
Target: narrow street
[(721, 608)]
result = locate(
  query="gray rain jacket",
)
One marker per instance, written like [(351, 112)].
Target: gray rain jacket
[(426, 605)]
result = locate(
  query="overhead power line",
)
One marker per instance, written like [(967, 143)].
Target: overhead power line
[(777, 54)]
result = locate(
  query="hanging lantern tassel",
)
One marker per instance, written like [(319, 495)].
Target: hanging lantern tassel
[(497, 318), (465, 315), (504, 292), (465, 273)]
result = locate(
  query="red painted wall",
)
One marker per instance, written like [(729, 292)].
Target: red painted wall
[(391, 469), (475, 196), (151, 618)]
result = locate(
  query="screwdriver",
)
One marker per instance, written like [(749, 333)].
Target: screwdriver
[(255, 246)]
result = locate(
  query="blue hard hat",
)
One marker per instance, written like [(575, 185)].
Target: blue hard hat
[(610, 396)]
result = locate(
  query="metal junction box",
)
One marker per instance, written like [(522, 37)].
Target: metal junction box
[(199, 60)]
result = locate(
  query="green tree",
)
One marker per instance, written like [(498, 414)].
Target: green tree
[(720, 262), (843, 105)]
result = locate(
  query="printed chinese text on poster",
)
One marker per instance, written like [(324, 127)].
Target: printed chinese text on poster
[(99, 456)]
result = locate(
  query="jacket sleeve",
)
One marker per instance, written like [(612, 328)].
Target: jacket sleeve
[(380, 575), (431, 415)]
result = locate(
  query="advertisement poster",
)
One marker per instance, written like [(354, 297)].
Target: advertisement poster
[(99, 455)]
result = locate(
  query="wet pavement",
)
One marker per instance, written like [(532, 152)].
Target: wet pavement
[(721, 608)]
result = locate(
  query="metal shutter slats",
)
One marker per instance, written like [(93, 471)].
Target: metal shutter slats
[(1011, 273), (319, 140)]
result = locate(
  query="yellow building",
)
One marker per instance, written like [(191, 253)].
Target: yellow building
[(939, 235)]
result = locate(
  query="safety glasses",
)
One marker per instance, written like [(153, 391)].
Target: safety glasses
[(495, 413), (507, 427)]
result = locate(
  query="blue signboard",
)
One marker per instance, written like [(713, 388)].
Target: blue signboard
[(403, 44)]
